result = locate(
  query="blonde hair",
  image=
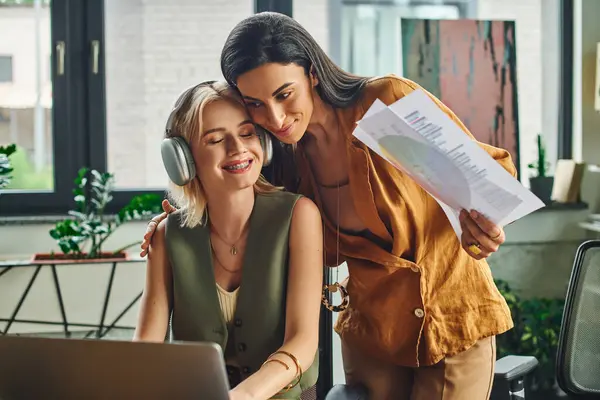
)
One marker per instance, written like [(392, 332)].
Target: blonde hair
[(191, 198)]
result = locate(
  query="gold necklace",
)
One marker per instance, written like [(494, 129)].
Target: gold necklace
[(332, 288), (232, 247), (221, 263)]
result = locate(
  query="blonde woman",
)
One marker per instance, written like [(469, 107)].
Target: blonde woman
[(240, 262)]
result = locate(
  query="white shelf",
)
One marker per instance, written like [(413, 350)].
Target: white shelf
[(590, 226)]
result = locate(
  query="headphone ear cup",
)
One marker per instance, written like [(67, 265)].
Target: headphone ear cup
[(267, 145), (178, 160)]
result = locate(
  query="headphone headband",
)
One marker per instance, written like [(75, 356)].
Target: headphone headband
[(181, 100)]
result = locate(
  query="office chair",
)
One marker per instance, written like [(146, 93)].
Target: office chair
[(578, 358), (509, 381)]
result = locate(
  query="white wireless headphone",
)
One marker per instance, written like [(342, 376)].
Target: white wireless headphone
[(175, 151)]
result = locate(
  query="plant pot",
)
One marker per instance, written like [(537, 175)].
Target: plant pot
[(61, 258), (541, 186)]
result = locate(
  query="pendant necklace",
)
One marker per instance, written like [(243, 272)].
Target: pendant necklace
[(233, 250), (332, 288), (231, 271)]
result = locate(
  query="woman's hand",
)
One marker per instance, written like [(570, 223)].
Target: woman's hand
[(168, 208), (480, 236), (237, 395)]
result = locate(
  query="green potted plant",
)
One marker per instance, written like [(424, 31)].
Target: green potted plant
[(536, 331), (540, 183), (5, 166), (81, 237)]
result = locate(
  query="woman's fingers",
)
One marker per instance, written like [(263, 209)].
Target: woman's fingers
[(476, 239), (167, 207), (471, 246), (493, 231), (150, 229)]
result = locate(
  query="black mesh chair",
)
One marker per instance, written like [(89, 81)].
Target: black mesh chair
[(578, 359)]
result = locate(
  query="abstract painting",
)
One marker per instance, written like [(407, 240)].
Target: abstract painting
[(471, 67)]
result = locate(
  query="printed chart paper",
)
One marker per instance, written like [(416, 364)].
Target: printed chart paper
[(418, 138)]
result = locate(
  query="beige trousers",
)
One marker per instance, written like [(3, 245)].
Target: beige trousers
[(466, 376)]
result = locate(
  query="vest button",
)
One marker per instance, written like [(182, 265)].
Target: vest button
[(246, 370), (419, 313), (238, 322), (242, 347)]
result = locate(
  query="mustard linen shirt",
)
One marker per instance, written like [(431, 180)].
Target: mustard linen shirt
[(417, 296)]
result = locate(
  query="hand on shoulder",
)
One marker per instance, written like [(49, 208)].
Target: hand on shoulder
[(153, 224)]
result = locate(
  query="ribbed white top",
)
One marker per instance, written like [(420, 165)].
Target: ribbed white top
[(228, 301)]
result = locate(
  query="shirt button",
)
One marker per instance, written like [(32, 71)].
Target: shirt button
[(242, 347), (414, 268), (419, 313), (238, 322)]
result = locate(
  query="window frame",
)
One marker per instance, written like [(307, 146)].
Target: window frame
[(97, 149), (79, 105), (67, 120), (565, 110), (281, 6)]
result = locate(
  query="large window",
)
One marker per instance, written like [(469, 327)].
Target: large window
[(26, 93), (116, 69)]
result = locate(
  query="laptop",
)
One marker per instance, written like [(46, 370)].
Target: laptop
[(45, 368)]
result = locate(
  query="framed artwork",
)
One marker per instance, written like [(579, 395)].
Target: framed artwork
[(470, 65)]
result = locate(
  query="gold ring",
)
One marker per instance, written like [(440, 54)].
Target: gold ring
[(474, 248)]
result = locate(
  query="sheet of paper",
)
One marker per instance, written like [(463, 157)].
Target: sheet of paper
[(418, 138)]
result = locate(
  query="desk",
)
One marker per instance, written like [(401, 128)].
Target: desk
[(100, 329)]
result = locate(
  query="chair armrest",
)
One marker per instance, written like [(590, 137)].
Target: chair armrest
[(509, 377), (347, 392), (510, 368)]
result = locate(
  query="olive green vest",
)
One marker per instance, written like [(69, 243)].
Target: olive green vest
[(259, 320)]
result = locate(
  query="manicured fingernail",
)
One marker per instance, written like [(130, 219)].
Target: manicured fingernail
[(474, 214)]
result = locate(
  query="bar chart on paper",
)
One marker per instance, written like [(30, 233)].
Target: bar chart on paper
[(418, 138)]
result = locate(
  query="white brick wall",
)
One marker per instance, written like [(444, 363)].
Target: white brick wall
[(125, 90), (313, 15), (155, 49)]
